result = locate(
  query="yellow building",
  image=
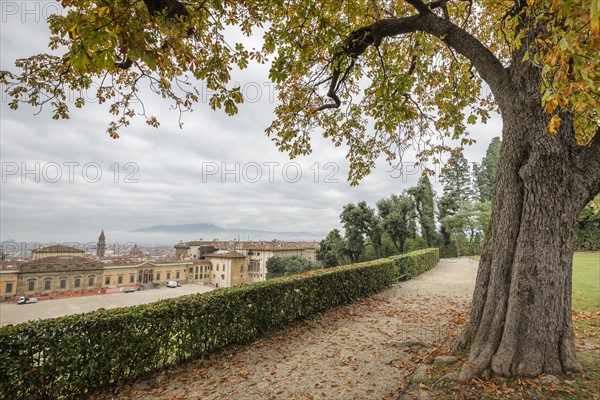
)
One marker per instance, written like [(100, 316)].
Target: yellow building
[(148, 273), (255, 256), (58, 277), (63, 271), (47, 276), (8, 284), (228, 268)]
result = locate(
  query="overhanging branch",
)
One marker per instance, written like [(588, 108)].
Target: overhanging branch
[(487, 64)]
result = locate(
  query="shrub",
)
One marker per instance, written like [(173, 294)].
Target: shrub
[(449, 251), (76, 355), (413, 244)]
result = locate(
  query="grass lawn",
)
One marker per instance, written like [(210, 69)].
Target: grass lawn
[(586, 281)]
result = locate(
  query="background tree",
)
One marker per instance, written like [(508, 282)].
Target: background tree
[(422, 195), (468, 226), (280, 266), (456, 180), (485, 173), (332, 250), (396, 213), (361, 222), (446, 208), (588, 226), (428, 71)]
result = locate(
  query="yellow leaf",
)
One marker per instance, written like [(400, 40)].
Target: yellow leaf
[(102, 11), (554, 124), (595, 17), (551, 105)]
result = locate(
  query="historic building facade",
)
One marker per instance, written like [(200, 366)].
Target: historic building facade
[(63, 271), (250, 258), (58, 271)]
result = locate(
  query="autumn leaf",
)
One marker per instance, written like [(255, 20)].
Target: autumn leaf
[(554, 124)]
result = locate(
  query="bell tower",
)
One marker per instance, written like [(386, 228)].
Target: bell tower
[(101, 246)]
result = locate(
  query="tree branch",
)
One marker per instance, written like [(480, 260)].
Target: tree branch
[(487, 64)]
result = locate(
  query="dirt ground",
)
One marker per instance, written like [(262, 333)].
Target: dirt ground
[(376, 348)]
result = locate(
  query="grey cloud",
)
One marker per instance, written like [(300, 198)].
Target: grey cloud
[(171, 187)]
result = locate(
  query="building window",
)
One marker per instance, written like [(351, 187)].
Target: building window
[(107, 280), (241, 268), (158, 276), (223, 276), (90, 281), (31, 285), (131, 278), (63, 283), (120, 279), (9, 287), (47, 284), (177, 275), (77, 282), (168, 275), (223, 267)]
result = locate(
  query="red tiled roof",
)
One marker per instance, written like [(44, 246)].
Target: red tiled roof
[(275, 245), (280, 245), (60, 261), (214, 243), (59, 248), (229, 254)]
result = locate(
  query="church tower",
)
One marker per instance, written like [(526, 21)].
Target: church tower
[(101, 245)]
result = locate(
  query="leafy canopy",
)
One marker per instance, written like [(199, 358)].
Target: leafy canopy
[(339, 67)]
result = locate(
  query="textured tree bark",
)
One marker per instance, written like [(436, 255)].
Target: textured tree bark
[(520, 322)]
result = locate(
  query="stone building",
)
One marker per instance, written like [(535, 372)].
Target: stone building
[(50, 275), (246, 261), (58, 277)]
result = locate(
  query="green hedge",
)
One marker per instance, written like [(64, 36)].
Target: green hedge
[(75, 355)]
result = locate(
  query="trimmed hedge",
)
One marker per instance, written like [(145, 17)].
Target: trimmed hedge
[(75, 355)]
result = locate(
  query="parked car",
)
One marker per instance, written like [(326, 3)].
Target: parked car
[(173, 284), (129, 289), (25, 300)]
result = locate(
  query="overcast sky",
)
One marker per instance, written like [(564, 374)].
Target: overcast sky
[(169, 175)]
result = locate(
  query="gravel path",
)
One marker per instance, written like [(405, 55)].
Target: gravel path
[(369, 349)]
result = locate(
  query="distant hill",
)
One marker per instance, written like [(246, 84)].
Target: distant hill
[(210, 231)]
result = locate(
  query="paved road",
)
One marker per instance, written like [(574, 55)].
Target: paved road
[(16, 313)]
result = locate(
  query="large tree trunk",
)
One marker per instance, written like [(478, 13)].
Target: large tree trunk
[(520, 322)]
